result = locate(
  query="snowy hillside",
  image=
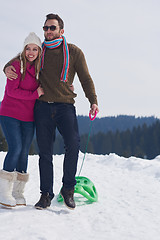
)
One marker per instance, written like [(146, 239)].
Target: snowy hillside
[(128, 207)]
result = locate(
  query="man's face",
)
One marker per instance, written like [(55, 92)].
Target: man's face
[(51, 35)]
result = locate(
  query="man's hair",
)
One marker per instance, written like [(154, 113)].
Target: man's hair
[(55, 16)]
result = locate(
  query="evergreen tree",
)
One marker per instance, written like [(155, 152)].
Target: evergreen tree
[(3, 143)]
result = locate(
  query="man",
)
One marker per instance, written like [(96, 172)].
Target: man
[(55, 109)]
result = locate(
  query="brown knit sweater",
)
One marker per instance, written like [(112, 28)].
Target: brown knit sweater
[(58, 91)]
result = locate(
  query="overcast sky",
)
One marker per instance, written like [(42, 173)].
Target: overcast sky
[(120, 39)]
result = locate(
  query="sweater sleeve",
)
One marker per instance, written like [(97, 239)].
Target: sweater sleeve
[(14, 90), (9, 63), (85, 78)]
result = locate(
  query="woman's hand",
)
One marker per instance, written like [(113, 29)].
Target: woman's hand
[(40, 91)]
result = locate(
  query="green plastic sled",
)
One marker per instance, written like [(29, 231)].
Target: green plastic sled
[(85, 187)]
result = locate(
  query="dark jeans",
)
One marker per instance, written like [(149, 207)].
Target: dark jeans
[(48, 116), (19, 135)]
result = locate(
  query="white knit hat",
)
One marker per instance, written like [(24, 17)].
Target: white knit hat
[(33, 38)]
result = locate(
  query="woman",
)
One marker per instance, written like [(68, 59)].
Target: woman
[(16, 116)]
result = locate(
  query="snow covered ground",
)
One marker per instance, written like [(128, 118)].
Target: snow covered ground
[(128, 206)]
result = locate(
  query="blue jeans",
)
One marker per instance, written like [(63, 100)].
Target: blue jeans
[(48, 117), (19, 135)]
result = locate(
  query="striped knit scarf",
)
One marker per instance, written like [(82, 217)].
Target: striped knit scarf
[(54, 44)]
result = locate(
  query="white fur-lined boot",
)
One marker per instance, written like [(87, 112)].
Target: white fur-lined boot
[(6, 186), (18, 188)]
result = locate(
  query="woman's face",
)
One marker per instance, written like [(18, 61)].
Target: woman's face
[(31, 52)]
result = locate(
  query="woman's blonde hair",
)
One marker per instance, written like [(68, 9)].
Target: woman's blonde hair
[(23, 62)]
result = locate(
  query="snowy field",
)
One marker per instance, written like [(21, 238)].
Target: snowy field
[(128, 206)]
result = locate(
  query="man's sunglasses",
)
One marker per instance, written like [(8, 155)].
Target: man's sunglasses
[(52, 28)]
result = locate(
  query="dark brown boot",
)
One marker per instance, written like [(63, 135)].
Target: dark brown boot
[(44, 202), (68, 198)]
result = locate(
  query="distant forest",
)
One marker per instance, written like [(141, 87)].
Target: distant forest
[(124, 135), (106, 124)]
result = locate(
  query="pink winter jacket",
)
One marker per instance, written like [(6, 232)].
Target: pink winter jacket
[(20, 95)]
